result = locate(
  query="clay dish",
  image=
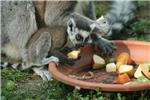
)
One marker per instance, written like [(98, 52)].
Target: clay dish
[(139, 52)]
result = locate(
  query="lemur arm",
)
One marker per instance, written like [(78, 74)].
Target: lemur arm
[(62, 58)]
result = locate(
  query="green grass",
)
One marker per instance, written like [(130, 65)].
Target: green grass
[(27, 86)]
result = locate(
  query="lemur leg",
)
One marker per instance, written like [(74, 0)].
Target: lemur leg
[(15, 65), (36, 55), (4, 64), (43, 73), (50, 59)]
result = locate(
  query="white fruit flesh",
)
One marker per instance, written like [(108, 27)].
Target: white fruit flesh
[(73, 54), (111, 67), (126, 69), (98, 62), (138, 72)]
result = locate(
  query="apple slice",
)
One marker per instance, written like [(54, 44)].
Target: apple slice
[(111, 67), (98, 62), (128, 69), (74, 54), (141, 68)]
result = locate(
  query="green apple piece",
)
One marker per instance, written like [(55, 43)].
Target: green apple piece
[(142, 79), (98, 62)]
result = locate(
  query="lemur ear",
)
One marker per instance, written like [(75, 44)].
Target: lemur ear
[(71, 24), (101, 18)]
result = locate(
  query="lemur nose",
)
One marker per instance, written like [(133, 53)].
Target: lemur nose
[(79, 37)]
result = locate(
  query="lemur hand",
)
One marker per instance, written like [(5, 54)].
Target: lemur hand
[(106, 47), (67, 61)]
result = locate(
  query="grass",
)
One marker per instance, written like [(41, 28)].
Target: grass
[(30, 87)]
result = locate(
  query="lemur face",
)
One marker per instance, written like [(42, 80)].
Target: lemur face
[(77, 36)]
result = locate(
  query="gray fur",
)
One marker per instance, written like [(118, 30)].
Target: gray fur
[(18, 21), (120, 13), (61, 15)]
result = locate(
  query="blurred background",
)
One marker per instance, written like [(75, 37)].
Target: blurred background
[(136, 29)]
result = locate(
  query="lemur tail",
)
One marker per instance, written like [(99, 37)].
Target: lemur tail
[(121, 12)]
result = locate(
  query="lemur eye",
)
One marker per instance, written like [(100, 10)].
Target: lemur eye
[(79, 37), (86, 40)]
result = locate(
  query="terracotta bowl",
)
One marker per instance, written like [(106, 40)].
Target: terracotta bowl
[(139, 52)]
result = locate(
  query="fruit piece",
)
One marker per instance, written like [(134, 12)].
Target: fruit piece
[(122, 59), (142, 79), (111, 67), (74, 54), (148, 64), (147, 75), (128, 69), (122, 78), (98, 62), (141, 68)]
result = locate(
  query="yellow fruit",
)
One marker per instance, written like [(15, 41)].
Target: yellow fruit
[(74, 54), (128, 69), (122, 59)]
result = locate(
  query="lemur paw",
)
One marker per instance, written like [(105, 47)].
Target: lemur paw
[(43, 73), (107, 47), (70, 62), (50, 59), (67, 61)]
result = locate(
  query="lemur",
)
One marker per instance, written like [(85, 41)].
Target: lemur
[(22, 19)]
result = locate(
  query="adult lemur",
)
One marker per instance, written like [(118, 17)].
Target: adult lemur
[(21, 20)]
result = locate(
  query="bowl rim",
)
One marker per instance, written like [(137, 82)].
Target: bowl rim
[(93, 85)]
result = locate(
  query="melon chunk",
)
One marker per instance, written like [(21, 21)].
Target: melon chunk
[(74, 54), (111, 67), (128, 69), (98, 62), (123, 78), (141, 68)]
